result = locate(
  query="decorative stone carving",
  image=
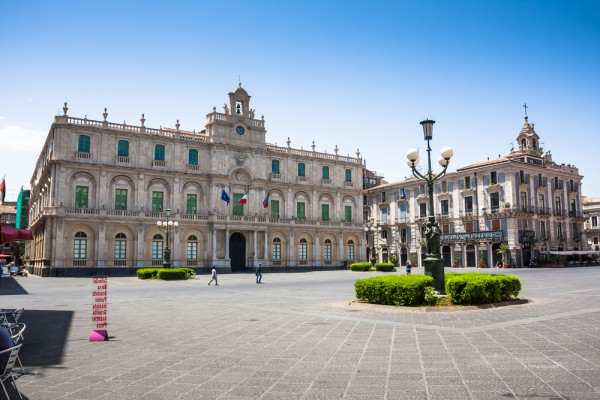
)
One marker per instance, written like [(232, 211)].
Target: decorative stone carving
[(240, 158), (225, 109)]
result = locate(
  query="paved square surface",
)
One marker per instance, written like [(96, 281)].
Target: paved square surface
[(297, 337)]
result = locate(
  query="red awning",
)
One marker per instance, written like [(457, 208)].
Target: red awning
[(8, 234)]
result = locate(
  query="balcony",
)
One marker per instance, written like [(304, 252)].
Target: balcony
[(544, 211), (527, 236), (158, 163), (80, 155), (121, 160), (275, 177), (575, 214), (193, 167)]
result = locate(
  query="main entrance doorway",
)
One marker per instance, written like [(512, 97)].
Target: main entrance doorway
[(237, 252)]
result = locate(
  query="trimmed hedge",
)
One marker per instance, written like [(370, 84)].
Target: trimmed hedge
[(383, 267), (397, 290), (165, 273), (476, 288)]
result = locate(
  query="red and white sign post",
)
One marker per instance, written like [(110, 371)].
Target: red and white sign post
[(99, 309)]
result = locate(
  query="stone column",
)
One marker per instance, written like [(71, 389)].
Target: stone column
[(227, 244), (266, 253), (214, 244)]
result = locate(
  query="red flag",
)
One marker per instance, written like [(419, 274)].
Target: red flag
[(266, 201), (3, 190)]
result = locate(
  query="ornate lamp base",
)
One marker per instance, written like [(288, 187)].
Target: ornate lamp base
[(434, 267)]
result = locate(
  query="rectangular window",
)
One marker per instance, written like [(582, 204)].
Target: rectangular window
[(383, 200), (157, 201), (522, 177), (557, 204), (193, 157), (469, 227), (157, 250), (84, 144), (467, 182), (324, 212), (469, 204), (540, 180), (191, 204), (275, 166), (559, 228), (238, 208), (444, 186), (403, 235), (446, 229), (81, 196), (422, 210), (495, 201), (524, 201), (384, 215), (402, 194), (120, 199), (350, 253), (328, 252), (444, 204), (542, 203), (300, 210), (348, 175), (496, 224), (494, 177), (192, 250), (348, 213), (120, 249), (274, 208), (159, 152), (276, 251), (302, 251), (79, 250), (402, 212), (325, 172), (543, 229), (123, 149), (594, 222), (301, 169), (384, 234)]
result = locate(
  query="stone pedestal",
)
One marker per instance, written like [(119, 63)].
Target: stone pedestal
[(434, 267)]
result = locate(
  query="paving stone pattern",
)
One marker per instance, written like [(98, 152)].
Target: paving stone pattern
[(297, 337)]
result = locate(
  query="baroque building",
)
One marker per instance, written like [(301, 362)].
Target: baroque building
[(523, 200), (99, 188), (591, 212)]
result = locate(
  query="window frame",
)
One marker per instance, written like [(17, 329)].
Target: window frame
[(159, 152), (84, 144)]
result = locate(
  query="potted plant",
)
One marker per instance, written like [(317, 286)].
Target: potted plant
[(502, 249), (454, 263), (507, 204), (481, 259)]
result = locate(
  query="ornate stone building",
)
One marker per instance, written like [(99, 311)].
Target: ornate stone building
[(591, 212), (99, 188), (523, 199)]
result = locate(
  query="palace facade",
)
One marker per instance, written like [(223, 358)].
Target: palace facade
[(523, 200), (99, 188)]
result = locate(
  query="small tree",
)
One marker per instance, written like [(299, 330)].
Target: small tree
[(502, 249)]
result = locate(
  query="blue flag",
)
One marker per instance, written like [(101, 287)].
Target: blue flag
[(225, 196)]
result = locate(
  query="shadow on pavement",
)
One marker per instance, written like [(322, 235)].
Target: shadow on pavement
[(10, 286), (45, 336)]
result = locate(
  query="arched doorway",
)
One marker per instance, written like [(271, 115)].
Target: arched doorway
[(403, 256), (447, 256), (237, 252), (496, 256), (470, 255)]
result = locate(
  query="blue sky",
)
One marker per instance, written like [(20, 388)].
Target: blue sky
[(355, 74)]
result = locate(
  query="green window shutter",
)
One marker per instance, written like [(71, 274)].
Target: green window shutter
[(123, 150), (274, 208), (348, 175), (159, 152), (300, 211), (157, 201), (84, 144), (325, 212), (275, 166), (191, 204), (348, 213), (325, 172), (301, 169), (238, 208), (193, 157), (81, 196), (121, 199)]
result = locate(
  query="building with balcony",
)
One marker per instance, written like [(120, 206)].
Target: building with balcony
[(591, 212), (99, 188), (523, 200)]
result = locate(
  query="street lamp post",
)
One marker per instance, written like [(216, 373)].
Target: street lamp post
[(167, 227), (434, 265), (372, 229)]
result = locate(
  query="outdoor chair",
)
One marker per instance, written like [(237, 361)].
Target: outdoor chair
[(16, 332), (7, 366), (12, 317)]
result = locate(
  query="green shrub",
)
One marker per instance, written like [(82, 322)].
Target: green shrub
[(147, 273), (397, 290), (474, 288), (360, 267), (165, 273), (385, 267)]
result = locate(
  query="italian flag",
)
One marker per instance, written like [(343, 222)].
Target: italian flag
[(244, 199)]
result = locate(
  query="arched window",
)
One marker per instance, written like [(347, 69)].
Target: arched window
[(120, 246), (523, 144), (80, 245), (193, 157), (123, 149), (302, 249), (350, 252), (325, 172), (533, 143), (157, 247), (84, 144), (275, 166), (192, 247), (159, 152), (327, 252), (276, 249)]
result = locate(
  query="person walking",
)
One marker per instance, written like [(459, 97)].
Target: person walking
[(259, 273), (408, 267), (214, 277)]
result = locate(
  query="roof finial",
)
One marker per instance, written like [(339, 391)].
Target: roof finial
[(239, 80), (525, 107), (65, 109)]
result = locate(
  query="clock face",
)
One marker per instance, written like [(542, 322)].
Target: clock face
[(240, 130)]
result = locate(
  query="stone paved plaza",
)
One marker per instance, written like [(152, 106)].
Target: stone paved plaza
[(297, 337)]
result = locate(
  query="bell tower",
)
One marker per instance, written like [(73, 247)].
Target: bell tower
[(528, 141), (236, 125)]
